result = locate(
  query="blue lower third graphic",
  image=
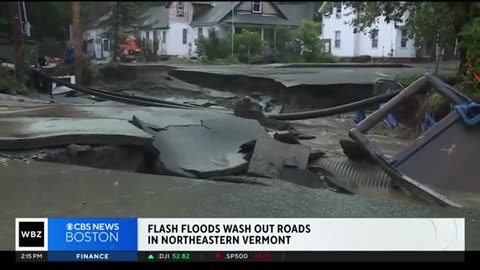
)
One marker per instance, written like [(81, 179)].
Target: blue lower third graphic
[(92, 234), (92, 256)]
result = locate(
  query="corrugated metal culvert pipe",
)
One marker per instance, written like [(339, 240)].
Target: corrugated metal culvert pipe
[(363, 178)]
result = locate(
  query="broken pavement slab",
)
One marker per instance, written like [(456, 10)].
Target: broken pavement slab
[(270, 156), (38, 132), (157, 115), (112, 157), (203, 148)]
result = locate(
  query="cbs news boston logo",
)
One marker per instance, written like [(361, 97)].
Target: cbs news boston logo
[(31, 234), (76, 234)]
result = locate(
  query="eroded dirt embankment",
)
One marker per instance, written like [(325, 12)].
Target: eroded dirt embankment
[(296, 98)]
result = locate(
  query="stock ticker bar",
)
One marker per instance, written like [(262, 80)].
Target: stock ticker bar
[(238, 256), (236, 240), (299, 256)]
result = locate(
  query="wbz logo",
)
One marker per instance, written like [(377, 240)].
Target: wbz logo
[(31, 234)]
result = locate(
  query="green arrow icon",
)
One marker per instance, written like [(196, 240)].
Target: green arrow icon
[(150, 257)]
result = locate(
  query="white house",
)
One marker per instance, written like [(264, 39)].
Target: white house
[(177, 25), (95, 39), (343, 40)]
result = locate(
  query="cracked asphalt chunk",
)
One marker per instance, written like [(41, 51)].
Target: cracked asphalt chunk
[(37, 132), (207, 149)]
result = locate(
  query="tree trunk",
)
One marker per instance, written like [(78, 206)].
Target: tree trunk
[(17, 40)]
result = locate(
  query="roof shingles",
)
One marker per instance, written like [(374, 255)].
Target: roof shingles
[(157, 17)]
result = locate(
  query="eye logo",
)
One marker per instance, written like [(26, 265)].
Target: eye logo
[(69, 226)]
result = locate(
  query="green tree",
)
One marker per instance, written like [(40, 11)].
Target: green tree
[(123, 16), (248, 44), (302, 44), (284, 37), (437, 22), (308, 38), (212, 47), (471, 42)]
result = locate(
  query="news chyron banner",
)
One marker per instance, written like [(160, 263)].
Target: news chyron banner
[(198, 239)]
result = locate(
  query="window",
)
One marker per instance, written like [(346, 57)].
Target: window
[(184, 36), (403, 41), (148, 35), (338, 9), (355, 30), (375, 39), (200, 32), (106, 45), (256, 6), (155, 35), (337, 39), (164, 36), (180, 9)]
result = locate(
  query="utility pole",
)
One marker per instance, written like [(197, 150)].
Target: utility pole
[(17, 35), (233, 26), (77, 37)]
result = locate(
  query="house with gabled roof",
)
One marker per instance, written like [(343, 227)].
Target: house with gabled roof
[(95, 40), (177, 25), (387, 40)]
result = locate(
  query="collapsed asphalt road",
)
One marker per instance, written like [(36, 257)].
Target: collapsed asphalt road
[(197, 144), (184, 145)]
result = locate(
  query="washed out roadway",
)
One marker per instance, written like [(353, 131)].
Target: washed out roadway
[(328, 75)]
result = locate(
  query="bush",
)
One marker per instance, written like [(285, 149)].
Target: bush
[(435, 103), (248, 44), (302, 44), (284, 37), (90, 71), (230, 60), (471, 39), (439, 106), (325, 58), (233, 59), (212, 47), (469, 87), (149, 49), (8, 84), (309, 41)]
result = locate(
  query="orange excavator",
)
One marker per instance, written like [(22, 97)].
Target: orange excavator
[(130, 48)]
